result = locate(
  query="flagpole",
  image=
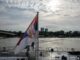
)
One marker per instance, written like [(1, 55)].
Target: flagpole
[(37, 40)]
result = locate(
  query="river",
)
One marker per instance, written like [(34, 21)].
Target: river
[(45, 43)]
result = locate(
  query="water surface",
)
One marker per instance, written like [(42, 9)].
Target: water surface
[(45, 43)]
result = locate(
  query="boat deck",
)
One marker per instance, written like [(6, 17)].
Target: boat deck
[(43, 55)]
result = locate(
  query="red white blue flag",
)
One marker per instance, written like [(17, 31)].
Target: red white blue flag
[(29, 36)]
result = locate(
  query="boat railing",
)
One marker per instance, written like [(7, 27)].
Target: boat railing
[(48, 49), (56, 49)]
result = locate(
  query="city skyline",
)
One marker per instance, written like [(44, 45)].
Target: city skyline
[(55, 15)]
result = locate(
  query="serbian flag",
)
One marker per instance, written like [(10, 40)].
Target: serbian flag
[(29, 36)]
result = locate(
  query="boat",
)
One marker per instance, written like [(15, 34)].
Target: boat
[(43, 55)]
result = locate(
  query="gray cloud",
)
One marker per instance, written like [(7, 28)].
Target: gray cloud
[(17, 15)]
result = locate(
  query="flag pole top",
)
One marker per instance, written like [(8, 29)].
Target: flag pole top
[(37, 12)]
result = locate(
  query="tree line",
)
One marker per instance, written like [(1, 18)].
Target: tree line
[(60, 34), (42, 34)]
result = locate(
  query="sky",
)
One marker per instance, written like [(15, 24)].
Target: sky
[(16, 15)]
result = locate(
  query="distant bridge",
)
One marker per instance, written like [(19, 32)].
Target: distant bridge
[(6, 34)]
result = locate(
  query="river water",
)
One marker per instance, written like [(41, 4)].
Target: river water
[(45, 43), (48, 43)]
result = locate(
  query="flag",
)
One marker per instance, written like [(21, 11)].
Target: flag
[(29, 36)]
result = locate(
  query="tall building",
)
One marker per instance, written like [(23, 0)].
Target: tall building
[(42, 30), (46, 29)]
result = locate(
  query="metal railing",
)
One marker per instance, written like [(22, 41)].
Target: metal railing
[(56, 49), (46, 53)]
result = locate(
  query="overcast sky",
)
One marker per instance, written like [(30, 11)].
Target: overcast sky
[(56, 15)]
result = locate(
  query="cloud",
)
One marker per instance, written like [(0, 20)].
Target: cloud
[(17, 15)]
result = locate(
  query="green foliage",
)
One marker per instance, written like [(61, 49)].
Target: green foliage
[(42, 34)]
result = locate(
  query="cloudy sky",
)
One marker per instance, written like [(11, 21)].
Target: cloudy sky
[(56, 15)]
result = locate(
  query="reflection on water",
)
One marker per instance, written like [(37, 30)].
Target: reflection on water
[(45, 42), (7, 42), (60, 42)]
